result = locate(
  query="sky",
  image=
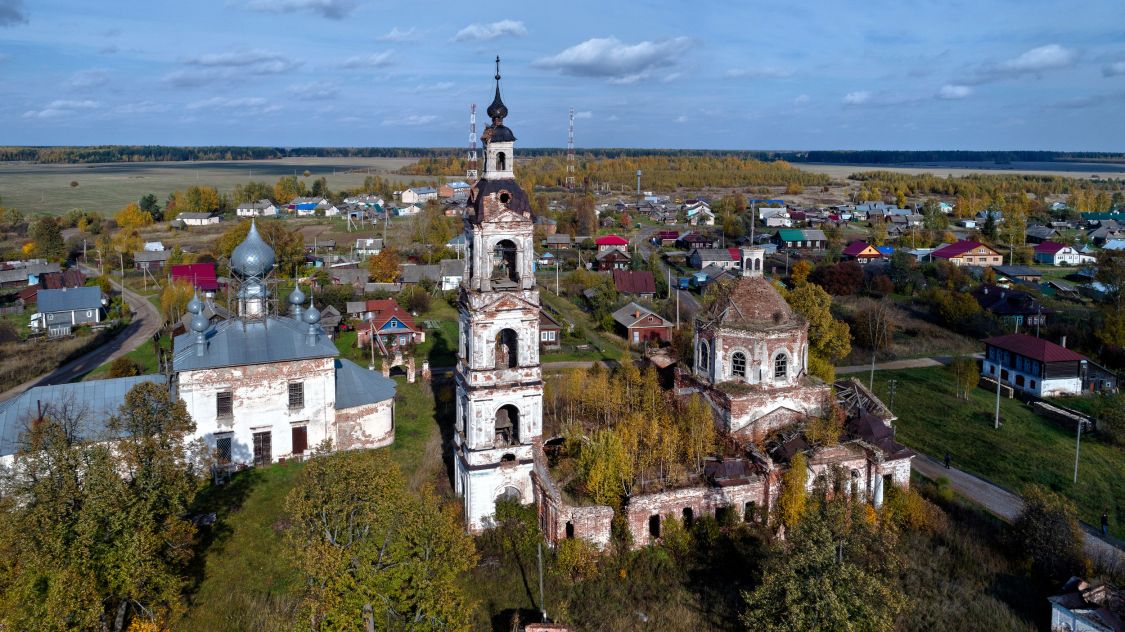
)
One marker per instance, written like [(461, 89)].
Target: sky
[(814, 74)]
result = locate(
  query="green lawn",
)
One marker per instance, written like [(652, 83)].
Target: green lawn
[(144, 355), (1026, 449)]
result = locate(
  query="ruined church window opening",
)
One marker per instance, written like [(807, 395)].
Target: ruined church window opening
[(263, 448), (781, 366), (750, 512), (505, 269), (224, 404), (704, 355), (507, 425), (505, 197), (507, 349), (501, 162), (738, 364), (510, 494), (689, 516), (296, 395), (569, 530), (654, 525)]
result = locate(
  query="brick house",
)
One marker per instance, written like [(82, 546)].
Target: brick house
[(640, 325)]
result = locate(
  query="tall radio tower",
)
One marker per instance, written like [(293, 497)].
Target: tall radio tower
[(570, 153), (471, 170)]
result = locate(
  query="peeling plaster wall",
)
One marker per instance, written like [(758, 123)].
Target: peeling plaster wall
[(482, 486), (369, 426), (260, 402)]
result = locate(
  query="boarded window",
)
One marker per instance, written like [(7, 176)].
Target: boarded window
[(300, 439), (781, 366), (224, 404), (263, 448), (297, 395), (223, 449)]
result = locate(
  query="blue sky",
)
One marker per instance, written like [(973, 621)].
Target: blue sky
[(940, 74)]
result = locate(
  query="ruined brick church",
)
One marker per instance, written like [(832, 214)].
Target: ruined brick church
[(751, 359)]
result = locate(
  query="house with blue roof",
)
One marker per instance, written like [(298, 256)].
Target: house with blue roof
[(418, 195), (60, 311)]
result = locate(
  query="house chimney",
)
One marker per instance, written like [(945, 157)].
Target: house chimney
[(1062, 343)]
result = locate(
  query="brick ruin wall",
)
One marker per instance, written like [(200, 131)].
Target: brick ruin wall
[(702, 501), (367, 426)]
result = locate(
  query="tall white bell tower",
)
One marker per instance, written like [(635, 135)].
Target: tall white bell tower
[(499, 381)]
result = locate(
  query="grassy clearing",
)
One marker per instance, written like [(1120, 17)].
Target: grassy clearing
[(914, 336), (144, 356), (1026, 449), (23, 361)]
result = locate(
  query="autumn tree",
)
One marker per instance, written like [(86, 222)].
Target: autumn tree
[(875, 326), (363, 541), (432, 229), (799, 272), (963, 370), (1048, 534), (793, 497), (829, 339), (251, 192), (877, 233), (840, 279), (288, 246), (46, 234), (174, 299), (150, 205), (384, 267), (131, 217), (197, 199), (286, 188), (604, 463)]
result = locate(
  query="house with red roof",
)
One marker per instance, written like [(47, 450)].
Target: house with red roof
[(862, 252), (1042, 368), (200, 275), (1052, 253), (638, 282), (391, 323), (968, 253), (610, 242)]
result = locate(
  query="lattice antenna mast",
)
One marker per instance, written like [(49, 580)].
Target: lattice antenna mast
[(570, 153), (471, 171)]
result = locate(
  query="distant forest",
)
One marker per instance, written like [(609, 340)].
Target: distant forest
[(157, 153)]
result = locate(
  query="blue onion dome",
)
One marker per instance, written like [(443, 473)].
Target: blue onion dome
[(199, 323), (311, 315), (296, 297), (253, 257), (195, 306)]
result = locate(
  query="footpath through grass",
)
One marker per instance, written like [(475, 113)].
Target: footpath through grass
[(1026, 449)]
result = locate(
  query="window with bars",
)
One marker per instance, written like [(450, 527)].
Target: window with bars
[(780, 366), (738, 364), (224, 404), (223, 449), (296, 394), (263, 448)]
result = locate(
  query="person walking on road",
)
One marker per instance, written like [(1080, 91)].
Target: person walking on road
[(947, 459), (1105, 523)]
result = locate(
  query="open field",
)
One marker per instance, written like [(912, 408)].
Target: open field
[(1066, 169), (106, 187), (1026, 449)]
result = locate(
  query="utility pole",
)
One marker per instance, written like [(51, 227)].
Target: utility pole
[(996, 423), (1077, 445), (542, 604), (557, 266)]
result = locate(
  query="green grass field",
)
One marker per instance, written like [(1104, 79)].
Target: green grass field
[(1026, 449), (106, 187)]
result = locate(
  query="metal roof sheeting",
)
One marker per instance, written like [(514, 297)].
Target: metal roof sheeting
[(356, 386), (69, 299), (239, 342)]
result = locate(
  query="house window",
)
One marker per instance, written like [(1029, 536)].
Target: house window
[(296, 394), (89, 313), (780, 366), (300, 439), (547, 336), (224, 404), (223, 449), (738, 364), (263, 448)]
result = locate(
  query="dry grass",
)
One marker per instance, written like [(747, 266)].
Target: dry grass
[(23, 361), (915, 337)]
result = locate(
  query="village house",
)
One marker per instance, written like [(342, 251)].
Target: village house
[(201, 276), (611, 242), (612, 259), (698, 213), (719, 257), (1056, 254), (665, 238), (1042, 368), (393, 325), (1084, 607), (368, 246), (457, 189), (968, 253), (1026, 274), (368, 200), (153, 261), (862, 252), (261, 208), (550, 332), (51, 281), (1040, 234), (1014, 307), (640, 325), (418, 195), (198, 219), (694, 239), (560, 241), (803, 239), (638, 283), (23, 274), (547, 225), (452, 271), (350, 274), (60, 311), (415, 273)]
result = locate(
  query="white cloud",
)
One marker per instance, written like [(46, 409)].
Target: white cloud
[(440, 86), (61, 107), (1113, 70), (1031, 62), (586, 114), (399, 35), (230, 66), (90, 78), (236, 105), (142, 107), (374, 60), (682, 118), (859, 97), (759, 72), (954, 91), (485, 32), (331, 9), (413, 120), (615, 60), (801, 99)]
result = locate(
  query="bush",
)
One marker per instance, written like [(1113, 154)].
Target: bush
[(944, 489), (1110, 423), (124, 367), (909, 510), (416, 300), (576, 560), (1047, 534)]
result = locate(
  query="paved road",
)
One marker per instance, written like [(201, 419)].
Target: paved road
[(689, 304), (1002, 502), (146, 322), (913, 363)]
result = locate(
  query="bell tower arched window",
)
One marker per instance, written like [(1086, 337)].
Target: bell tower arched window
[(507, 349), (505, 263), (501, 162), (507, 425)]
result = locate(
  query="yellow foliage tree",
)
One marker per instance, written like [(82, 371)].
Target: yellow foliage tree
[(174, 299), (132, 217), (383, 266), (793, 497)]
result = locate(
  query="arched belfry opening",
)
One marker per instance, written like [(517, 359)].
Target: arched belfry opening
[(501, 162), (507, 349), (507, 425), (505, 264)]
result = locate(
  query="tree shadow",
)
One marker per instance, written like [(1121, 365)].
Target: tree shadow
[(222, 501)]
